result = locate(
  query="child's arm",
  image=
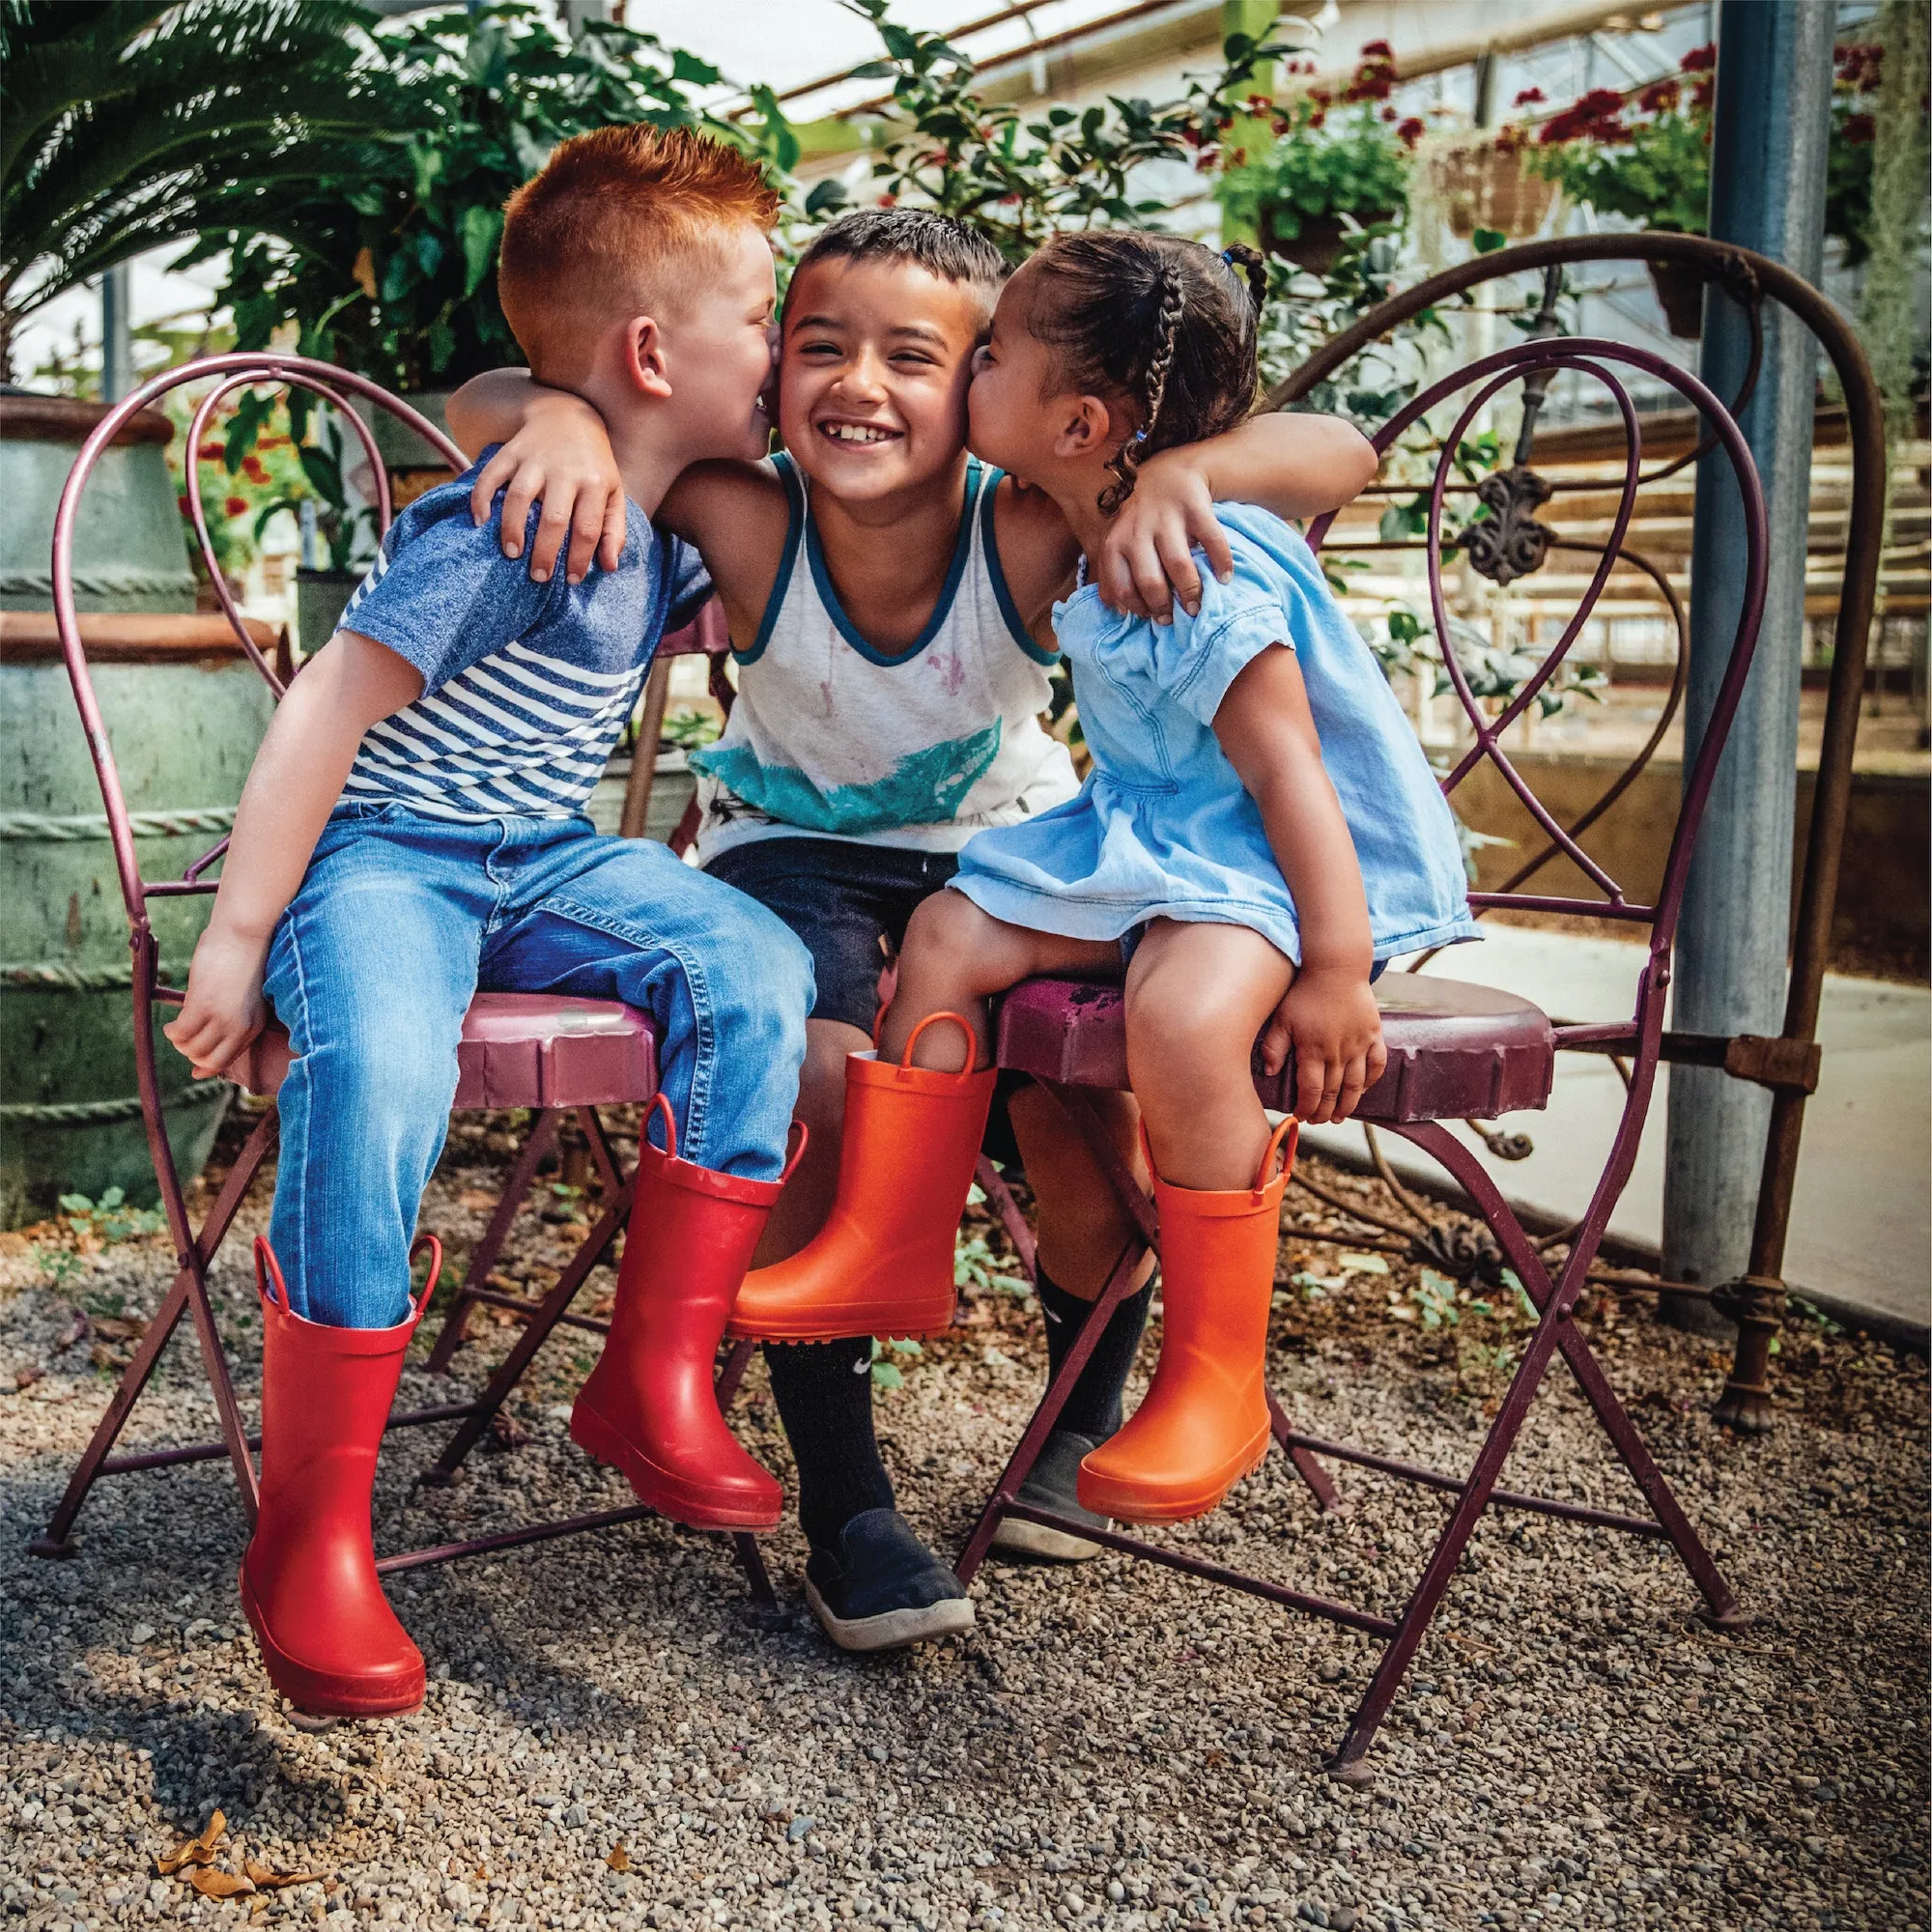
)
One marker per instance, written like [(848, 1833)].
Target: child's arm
[(555, 451), (1290, 465), (1329, 1012), (297, 776)]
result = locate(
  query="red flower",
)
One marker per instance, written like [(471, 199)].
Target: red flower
[(1410, 133), (1377, 50), (1318, 118), (210, 449), (1388, 114), (1659, 96), (1858, 129), (1700, 95), (1260, 103), (235, 507), (182, 503), (1594, 118), (1700, 60), (252, 467), (1859, 67), (1321, 97), (1529, 98)]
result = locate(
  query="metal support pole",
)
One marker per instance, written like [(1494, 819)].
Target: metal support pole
[(1768, 193), (117, 342)]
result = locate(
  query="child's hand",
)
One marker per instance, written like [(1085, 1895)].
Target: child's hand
[(561, 456), (1147, 560), (225, 1010), (1328, 1014)]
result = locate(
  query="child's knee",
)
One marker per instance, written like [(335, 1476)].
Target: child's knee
[(946, 931), (760, 1001)]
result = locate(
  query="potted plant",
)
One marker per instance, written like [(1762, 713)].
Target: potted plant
[(1647, 156), (1492, 186), (1328, 174)]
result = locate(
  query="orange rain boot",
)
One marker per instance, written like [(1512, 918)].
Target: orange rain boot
[(1205, 1423), (882, 1265), (649, 1407), (330, 1644)]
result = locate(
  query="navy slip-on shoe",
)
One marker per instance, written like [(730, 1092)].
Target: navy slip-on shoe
[(881, 1588), (1050, 1486)]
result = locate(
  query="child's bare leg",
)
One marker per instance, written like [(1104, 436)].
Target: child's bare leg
[(821, 1105), (1197, 997), (1082, 1226), (955, 958)]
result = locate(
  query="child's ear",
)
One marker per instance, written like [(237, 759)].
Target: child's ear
[(644, 360), (1086, 426)]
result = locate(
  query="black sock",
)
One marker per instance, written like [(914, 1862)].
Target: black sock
[(824, 1393), (1093, 1406)]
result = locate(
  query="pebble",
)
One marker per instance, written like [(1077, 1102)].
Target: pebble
[(1114, 1747)]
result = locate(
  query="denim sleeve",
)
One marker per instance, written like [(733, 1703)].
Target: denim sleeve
[(443, 596), (1196, 659)]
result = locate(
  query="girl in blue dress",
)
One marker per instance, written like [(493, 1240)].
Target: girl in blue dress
[(1259, 835)]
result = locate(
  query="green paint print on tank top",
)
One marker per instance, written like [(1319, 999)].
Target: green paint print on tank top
[(924, 787)]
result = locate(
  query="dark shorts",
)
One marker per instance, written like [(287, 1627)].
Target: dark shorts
[(850, 904)]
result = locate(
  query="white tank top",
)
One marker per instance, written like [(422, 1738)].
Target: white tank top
[(832, 739)]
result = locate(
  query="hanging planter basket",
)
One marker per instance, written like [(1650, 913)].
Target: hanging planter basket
[(1680, 288), (1318, 247), (1488, 187)]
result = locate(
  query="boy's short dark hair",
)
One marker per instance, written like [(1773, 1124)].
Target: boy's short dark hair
[(939, 243)]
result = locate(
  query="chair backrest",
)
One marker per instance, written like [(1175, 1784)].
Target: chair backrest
[(234, 372), (1536, 363)]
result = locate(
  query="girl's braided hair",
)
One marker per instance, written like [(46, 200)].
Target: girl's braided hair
[(1164, 324)]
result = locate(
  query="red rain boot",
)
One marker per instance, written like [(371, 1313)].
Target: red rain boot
[(1204, 1421), (882, 1265), (330, 1642), (649, 1408)]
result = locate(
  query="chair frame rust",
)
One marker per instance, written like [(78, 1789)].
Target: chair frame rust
[(1554, 1299), (195, 1248)]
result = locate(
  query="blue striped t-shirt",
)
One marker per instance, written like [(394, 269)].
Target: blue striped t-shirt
[(526, 685)]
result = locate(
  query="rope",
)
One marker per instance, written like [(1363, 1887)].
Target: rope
[(93, 824), (67, 979), (102, 1113), (118, 587)]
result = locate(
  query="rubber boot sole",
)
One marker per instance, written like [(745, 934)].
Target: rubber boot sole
[(1128, 1503), (1035, 1540), (320, 1695), (658, 1489), (891, 1630), (888, 1320)]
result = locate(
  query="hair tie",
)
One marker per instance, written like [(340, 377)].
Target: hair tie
[(1227, 256)]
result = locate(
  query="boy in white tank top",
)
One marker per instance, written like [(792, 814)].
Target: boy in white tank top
[(890, 603)]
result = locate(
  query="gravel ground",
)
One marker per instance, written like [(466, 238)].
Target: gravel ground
[(613, 1739)]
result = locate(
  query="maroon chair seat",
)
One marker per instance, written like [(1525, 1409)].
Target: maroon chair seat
[(520, 1050), (1455, 1051)]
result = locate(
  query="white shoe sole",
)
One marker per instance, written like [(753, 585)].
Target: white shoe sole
[(1018, 1537), (891, 1630)]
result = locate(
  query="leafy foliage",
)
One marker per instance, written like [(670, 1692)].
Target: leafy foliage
[(125, 122), (387, 258)]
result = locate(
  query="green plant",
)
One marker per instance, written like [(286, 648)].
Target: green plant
[(127, 121), (1325, 166), (111, 1219), (349, 530), (885, 1372), (385, 258)]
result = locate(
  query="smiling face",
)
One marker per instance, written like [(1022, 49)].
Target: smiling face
[(877, 357), (719, 344)]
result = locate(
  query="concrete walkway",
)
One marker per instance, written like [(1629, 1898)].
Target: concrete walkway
[(1861, 1224)]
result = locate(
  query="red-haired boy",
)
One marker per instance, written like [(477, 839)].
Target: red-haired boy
[(414, 831)]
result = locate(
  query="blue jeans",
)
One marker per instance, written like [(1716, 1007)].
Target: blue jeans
[(401, 918)]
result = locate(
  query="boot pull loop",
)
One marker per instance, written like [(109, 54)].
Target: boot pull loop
[(795, 1154), (434, 1248), (660, 1105), (932, 1019), (1282, 1142), (269, 1269)]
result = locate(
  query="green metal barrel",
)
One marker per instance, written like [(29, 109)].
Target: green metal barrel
[(184, 710)]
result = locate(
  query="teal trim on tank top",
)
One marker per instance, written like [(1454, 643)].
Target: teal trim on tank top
[(794, 516), (962, 545), (1009, 609)]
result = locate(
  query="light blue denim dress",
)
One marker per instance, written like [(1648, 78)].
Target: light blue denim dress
[(1164, 828)]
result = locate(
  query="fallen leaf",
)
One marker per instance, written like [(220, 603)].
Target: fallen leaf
[(101, 1356), (274, 1881), (27, 1378), (476, 1199), (196, 1851), (214, 1883), (118, 1327), (480, 1875), (620, 1859)]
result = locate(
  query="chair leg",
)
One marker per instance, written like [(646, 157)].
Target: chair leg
[(1723, 1611), (1119, 1283), (1001, 1198), (601, 1150), (541, 1138), (536, 1332), (189, 1288)]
